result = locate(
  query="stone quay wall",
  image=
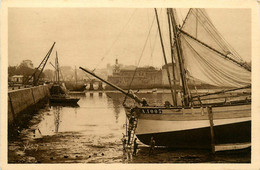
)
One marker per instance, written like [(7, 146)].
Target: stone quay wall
[(21, 99)]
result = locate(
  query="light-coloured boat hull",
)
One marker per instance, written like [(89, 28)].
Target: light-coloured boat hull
[(190, 127)]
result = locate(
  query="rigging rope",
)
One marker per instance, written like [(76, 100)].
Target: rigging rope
[(211, 61), (139, 59), (153, 47), (216, 31), (213, 32), (217, 74), (181, 17), (150, 42), (213, 35), (202, 63), (188, 14), (107, 52)]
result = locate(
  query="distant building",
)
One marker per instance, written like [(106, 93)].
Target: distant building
[(144, 77), (165, 80), (149, 77), (111, 68), (116, 68), (27, 63), (17, 79), (102, 73)]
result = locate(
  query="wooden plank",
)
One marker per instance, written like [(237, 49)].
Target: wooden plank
[(210, 114), (232, 146)]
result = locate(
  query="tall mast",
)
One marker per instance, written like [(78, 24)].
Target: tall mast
[(164, 56), (76, 76), (180, 59), (172, 57), (56, 71), (57, 68)]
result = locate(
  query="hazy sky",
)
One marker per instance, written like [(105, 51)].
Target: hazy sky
[(84, 36)]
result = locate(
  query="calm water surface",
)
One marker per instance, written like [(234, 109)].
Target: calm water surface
[(92, 133)]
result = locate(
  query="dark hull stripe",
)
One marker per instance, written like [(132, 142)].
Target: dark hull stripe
[(201, 138)]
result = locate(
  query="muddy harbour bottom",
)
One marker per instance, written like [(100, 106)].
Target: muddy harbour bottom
[(92, 133)]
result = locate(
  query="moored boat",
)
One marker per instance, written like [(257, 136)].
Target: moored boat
[(58, 92), (67, 100), (190, 127), (202, 121)]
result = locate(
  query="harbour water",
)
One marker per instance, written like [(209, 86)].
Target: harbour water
[(92, 133)]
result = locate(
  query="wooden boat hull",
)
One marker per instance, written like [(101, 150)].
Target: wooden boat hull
[(190, 128), (77, 93), (200, 138), (64, 100)]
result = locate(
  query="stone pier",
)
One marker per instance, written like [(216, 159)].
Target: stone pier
[(21, 99)]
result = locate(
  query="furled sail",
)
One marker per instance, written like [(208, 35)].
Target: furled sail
[(207, 56)]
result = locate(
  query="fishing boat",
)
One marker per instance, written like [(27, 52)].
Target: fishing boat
[(58, 95), (77, 88), (203, 121), (58, 92)]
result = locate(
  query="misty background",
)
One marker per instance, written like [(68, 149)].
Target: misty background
[(95, 37)]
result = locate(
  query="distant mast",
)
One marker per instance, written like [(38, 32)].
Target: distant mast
[(76, 76), (57, 69)]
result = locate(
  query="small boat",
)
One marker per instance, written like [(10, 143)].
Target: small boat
[(78, 88), (59, 99), (81, 93), (59, 95), (58, 92)]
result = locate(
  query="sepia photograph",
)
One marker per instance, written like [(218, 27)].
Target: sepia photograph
[(128, 85)]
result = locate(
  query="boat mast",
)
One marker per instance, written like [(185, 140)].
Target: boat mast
[(56, 72), (164, 56), (76, 76), (57, 68), (180, 58), (172, 57)]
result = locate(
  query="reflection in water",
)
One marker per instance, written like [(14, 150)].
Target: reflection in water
[(91, 133), (116, 104), (75, 112), (56, 111), (78, 94)]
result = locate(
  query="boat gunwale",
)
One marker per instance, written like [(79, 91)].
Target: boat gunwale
[(185, 107)]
